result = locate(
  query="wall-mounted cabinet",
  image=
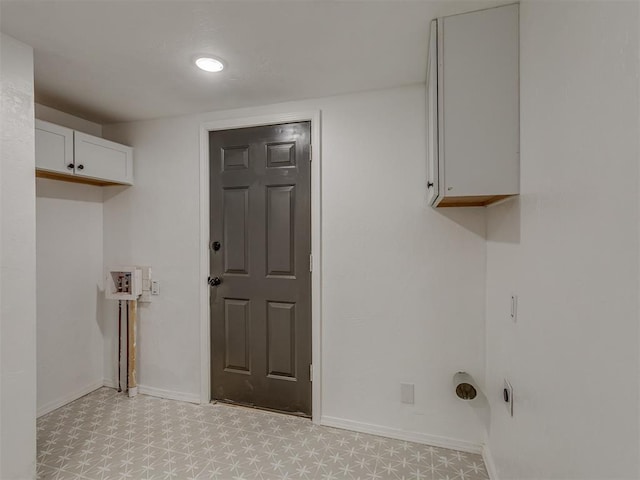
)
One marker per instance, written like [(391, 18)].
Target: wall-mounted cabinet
[(65, 154), (473, 108)]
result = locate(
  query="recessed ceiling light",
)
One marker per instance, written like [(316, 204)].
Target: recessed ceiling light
[(209, 64)]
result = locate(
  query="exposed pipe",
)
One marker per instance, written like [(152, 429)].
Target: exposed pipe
[(119, 345), (127, 307), (132, 381)]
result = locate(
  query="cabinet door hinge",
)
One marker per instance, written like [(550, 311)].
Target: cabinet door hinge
[(310, 152), (311, 373), (311, 262)]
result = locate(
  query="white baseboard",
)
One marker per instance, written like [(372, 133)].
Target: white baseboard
[(159, 392), (433, 440), (169, 394), (60, 402), (488, 461), (109, 383)]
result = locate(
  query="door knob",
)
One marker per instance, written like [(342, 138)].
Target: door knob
[(214, 282)]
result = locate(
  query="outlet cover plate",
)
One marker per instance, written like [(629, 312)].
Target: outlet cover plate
[(407, 393)]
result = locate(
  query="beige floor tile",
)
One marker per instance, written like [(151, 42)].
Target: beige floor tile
[(106, 435)]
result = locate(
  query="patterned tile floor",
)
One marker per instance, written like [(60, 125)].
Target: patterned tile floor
[(106, 435)]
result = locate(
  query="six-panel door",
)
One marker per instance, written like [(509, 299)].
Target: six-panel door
[(261, 309)]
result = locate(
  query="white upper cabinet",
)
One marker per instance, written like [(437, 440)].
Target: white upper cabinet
[(54, 148), (103, 160), (70, 155), (473, 108)]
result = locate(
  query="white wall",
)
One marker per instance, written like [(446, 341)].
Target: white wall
[(569, 248), (17, 263), (69, 278), (403, 285), (52, 115)]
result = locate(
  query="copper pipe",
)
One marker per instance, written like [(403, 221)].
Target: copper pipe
[(132, 382)]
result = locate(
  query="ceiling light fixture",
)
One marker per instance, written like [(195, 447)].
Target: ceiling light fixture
[(209, 64)]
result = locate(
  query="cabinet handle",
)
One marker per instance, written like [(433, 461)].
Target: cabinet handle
[(70, 166), (80, 167), (429, 184)]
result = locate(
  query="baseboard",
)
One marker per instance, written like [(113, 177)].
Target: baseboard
[(51, 406), (488, 461), (169, 394), (109, 383), (433, 440), (159, 392)]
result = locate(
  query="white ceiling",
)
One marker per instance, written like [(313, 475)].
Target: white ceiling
[(111, 61)]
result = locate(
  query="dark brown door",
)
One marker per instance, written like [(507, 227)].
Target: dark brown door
[(261, 282)]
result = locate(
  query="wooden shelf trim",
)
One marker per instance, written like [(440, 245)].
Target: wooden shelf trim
[(74, 179), (472, 201)]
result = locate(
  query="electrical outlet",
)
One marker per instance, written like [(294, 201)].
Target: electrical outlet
[(514, 307), (507, 396), (155, 287), (407, 393)]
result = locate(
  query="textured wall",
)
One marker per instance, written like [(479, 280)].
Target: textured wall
[(17, 263), (403, 285), (69, 291), (569, 248)]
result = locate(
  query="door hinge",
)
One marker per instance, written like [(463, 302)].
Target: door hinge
[(311, 262), (311, 373), (310, 152)]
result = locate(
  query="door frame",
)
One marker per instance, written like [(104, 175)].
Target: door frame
[(228, 122)]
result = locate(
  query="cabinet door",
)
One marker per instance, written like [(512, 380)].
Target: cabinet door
[(433, 181), (480, 146), (54, 148), (104, 160)]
